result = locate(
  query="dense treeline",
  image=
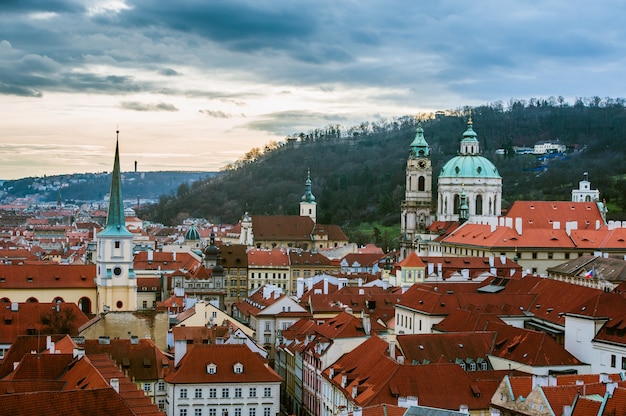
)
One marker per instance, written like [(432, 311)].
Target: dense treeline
[(358, 172)]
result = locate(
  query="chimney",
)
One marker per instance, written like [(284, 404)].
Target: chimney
[(431, 268), (331, 373), (518, 226), (115, 383), (180, 349), (355, 391), (104, 340), (392, 349), (357, 411), (173, 256), (556, 225), (503, 259), (326, 286), (344, 380), (134, 340), (367, 324), (610, 388), (150, 255), (78, 353)]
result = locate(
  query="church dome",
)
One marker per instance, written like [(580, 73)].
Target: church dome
[(469, 163), (469, 166), (192, 234), (211, 249)]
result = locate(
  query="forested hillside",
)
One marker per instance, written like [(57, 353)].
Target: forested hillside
[(358, 172)]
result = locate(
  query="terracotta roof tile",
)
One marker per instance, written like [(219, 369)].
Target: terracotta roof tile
[(193, 366)]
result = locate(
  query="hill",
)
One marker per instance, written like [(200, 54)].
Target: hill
[(358, 172), (89, 187)]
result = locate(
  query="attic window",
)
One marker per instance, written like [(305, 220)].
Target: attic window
[(238, 368), (125, 362), (29, 280), (146, 362), (211, 368)]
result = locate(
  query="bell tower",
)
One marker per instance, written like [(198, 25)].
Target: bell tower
[(116, 283), (416, 208), (308, 206)]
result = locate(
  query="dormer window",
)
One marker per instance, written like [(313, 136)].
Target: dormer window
[(238, 368), (211, 368)]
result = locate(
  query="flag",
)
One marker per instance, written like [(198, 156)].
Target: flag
[(589, 274)]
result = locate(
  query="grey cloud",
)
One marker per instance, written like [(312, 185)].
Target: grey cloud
[(137, 106), (215, 113), (169, 72), (290, 122)]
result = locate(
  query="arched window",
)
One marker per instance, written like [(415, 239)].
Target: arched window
[(5, 300), (457, 203), (32, 300), (587, 198), (479, 205), (58, 299), (421, 183), (84, 304)]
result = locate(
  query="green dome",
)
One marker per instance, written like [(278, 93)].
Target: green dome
[(192, 234), (469, 166)]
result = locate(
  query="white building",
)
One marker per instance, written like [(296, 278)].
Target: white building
[(549, 146), (221, 380)]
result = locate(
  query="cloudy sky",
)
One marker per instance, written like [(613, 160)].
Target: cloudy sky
[(195, 84)]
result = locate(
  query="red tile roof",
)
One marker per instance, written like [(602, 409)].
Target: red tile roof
[(193, 366), (140, 361), (165, 261), (282, 227), (412, 260), (93, 402), (38, 318), (45, 276), (268, 258), (544, 214)]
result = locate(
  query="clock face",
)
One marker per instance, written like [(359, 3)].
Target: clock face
[(117, 271), (422, 163)]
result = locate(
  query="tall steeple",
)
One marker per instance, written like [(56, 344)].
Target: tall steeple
[(416, 212), (116, 283), (419, 146), (115, 215)]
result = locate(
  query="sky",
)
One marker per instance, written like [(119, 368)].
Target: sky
[(195, 84)]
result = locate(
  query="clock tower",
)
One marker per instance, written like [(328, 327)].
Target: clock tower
[(416, 207), (116, 283)]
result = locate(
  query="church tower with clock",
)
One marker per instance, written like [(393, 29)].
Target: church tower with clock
[(417, 205), (116, 283)]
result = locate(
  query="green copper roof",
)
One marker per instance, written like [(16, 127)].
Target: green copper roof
[(469, 163), (419, 146), (116, 223), (470, 134), (469, 166), (192, 234), (308, 196)]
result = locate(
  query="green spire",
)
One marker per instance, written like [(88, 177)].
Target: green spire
[(308, 196), (115, 216), (419, 146)]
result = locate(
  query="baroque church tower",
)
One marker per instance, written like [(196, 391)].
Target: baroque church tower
[(416, 207), (469, 185), (116, 282), (308, 206)]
